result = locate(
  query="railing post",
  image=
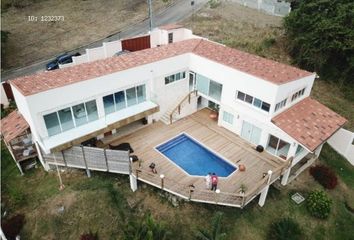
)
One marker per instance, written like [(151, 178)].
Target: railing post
[(179, 109), (191, 190), (171, 118), (264, 192), (162, 180), (83, 155), (189, 98), (105, 158), (62, 153)]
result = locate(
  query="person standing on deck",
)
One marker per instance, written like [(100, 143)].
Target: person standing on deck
[(214, 182), (208, 181)]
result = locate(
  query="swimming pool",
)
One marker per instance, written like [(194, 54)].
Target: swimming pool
[(194, 158)]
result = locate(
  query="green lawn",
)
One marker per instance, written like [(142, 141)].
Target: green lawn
[(101, 204)]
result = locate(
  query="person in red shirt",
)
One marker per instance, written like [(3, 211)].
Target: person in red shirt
[(214, 182)]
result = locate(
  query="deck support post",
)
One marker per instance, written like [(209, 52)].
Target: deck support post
[(264, 192), (40, 157), (84, 157), (284, 179), (133, 182)]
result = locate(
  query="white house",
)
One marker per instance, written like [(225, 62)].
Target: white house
[(265, 102)]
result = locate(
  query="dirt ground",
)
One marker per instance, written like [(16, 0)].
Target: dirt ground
[(31, 41), (242, 28)]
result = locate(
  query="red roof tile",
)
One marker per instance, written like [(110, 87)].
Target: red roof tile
[(266, 69), (13, 125), (309, 122)]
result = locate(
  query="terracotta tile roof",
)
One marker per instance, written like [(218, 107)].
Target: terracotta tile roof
[(13, 125), (44, 81), (266, 69), (309, 122), (170, 27), (263, 68)]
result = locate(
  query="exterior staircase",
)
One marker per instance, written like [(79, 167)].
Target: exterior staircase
[(170, 115)]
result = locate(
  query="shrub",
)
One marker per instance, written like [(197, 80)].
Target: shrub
[(318, 204), (12, 227), (285, 229), (89, 236), (325, 176)]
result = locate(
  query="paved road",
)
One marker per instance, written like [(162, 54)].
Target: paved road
[(175, 13)]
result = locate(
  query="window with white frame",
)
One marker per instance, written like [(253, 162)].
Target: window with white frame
[(170, 37), (299, 150), (124, 98), (208, 87), (228, 117), (258, 103), (175, 77), (70, 117), (297, 94), (278, 147), (280, 104)]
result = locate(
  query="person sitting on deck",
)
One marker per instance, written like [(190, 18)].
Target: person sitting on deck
[(153, 168), (214, 182)]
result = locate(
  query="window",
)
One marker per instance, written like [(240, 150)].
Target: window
[(79, 112), (141, 93), (202, 84), (170, 38), (175, 77), (228, 117), (131, 96), (125, 98), (208, 87), (257, 102), (241, 95), (66, 119), (280, 104), (70, 117), (278, 147), (215, 90), (298, 94), (299, 150), (91, 108), (108, 103), (119, 98), (265, 106), (52, 123), (252, 100), (249, 99)]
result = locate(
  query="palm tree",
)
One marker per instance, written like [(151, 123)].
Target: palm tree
[(148, 229), (215, 232)]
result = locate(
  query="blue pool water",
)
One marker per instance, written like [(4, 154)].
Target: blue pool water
[(194, 158)]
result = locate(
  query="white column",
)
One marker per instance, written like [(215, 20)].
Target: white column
[(133, 182), (285, 177), (264, 192), (40, 157), (318, 150), (291, 153)]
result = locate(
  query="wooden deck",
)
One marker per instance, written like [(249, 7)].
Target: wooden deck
[(225, 143)]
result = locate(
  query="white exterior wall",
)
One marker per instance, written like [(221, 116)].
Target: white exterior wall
[(4, 99), (166, 96), (233, 80), (288, 89), (342, 141), (151, 74)]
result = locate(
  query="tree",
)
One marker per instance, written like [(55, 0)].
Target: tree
[(147, 229), (215, 232), (320, 35)]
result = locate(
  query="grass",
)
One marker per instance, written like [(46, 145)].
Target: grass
[(100, 203)]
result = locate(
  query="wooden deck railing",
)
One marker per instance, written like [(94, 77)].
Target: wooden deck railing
[(179, 106), (188, 191)]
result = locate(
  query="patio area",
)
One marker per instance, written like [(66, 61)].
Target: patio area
[(227, 144)]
